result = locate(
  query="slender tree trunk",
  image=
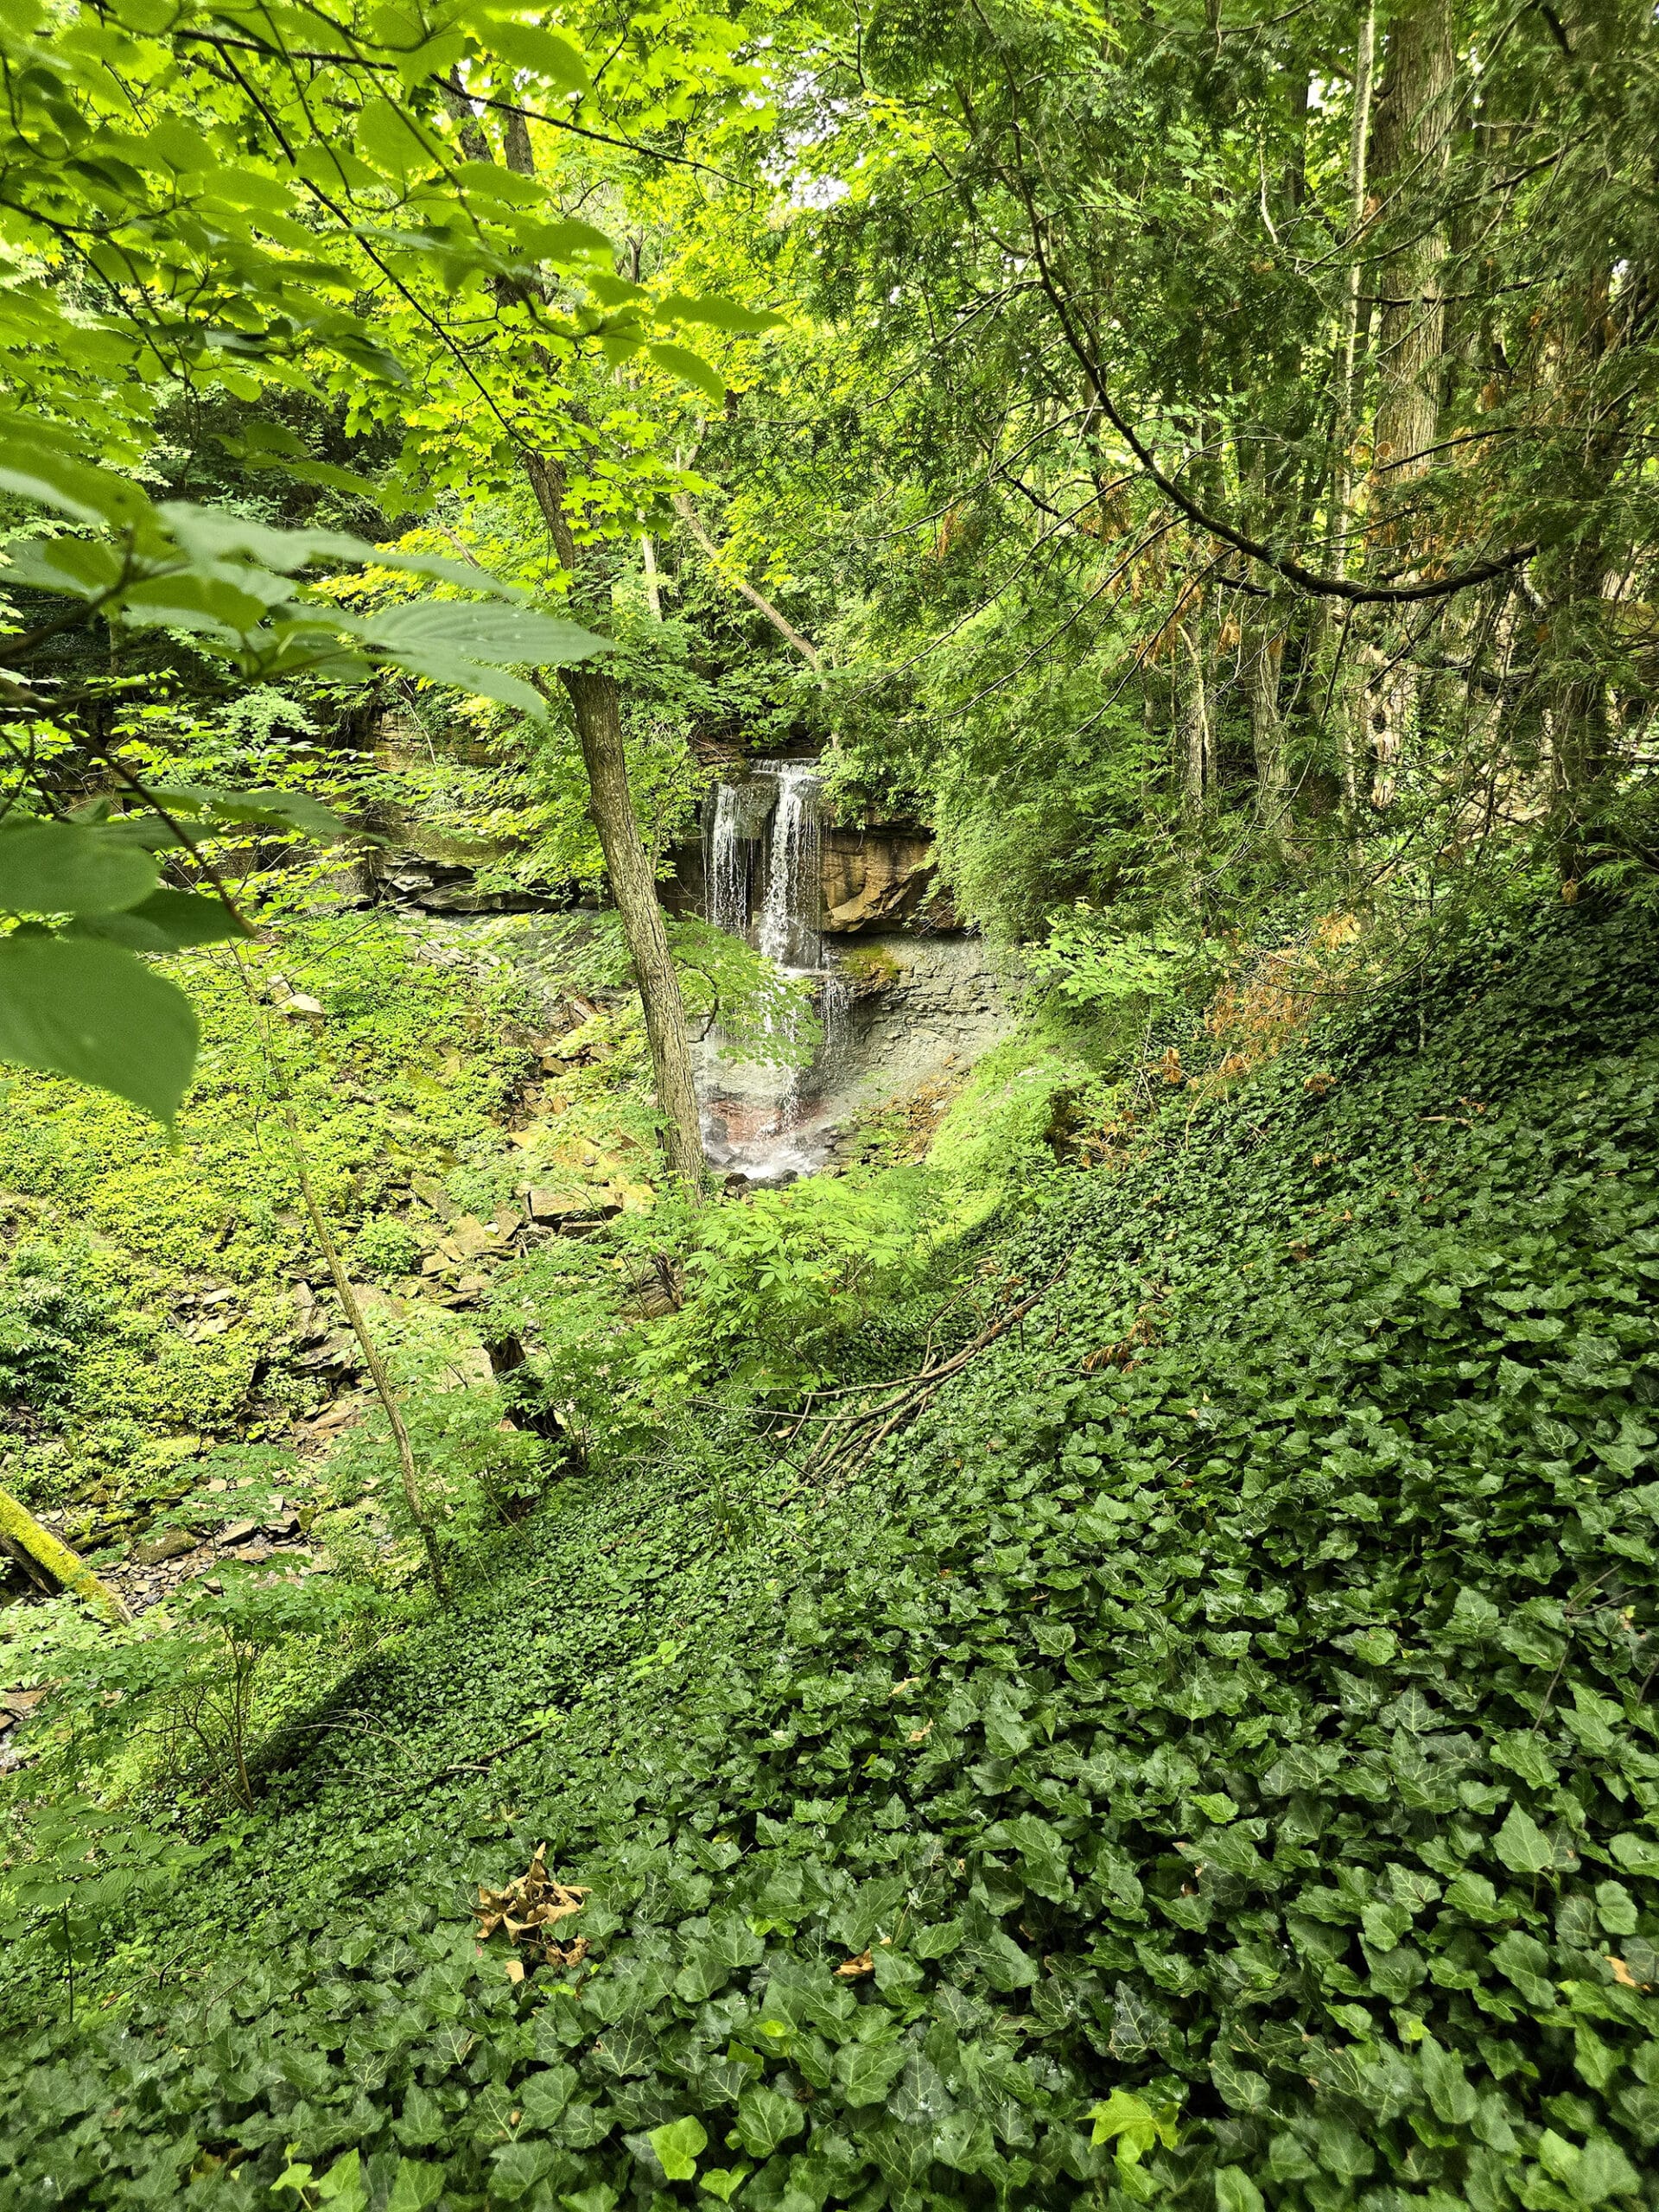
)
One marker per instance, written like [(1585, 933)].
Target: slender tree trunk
[(780, 623), (379, 1374), (1347, 412), (596, 704), (1196, 717), (1329, 645), (653, 586), (1266, 657), (598, 708)]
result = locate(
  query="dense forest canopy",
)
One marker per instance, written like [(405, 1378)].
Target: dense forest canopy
[(1095, 1648)]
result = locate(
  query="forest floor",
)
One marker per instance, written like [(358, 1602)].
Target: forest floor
[(1204, 1755)]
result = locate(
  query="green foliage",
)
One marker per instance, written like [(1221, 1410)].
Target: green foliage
[(120, 1233), (480, 1475), (188, 1676), (45, 1317), (1240, 1740), (766, 1296), (1089, 961), (80, 1003)]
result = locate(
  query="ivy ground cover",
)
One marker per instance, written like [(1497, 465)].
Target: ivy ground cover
[(1209, 1760)]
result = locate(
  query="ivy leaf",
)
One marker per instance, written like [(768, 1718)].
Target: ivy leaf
[(1523, 1846), (1138, 2123), (418, 2186), (724, 2182), (345, 2186), (993, 1954), (1449, 2091), (515, 2168), (865, 2071), (1236, 2192), (766, 2118), (1638, 1855), (545, 2095), (678, 2146), (96, 1013)]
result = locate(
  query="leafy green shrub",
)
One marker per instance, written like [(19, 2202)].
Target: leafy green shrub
[(384, 1249), (480, 1474), (186, 1676), (763, 1295), (45, 1319)]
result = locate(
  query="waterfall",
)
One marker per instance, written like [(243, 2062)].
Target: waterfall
[(762, 1117), (784, 793), (727, 864), (789, 917)]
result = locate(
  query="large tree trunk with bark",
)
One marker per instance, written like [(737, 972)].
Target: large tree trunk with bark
[(596, 705), (1410, 148)]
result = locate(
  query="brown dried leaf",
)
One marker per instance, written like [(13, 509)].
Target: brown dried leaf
[(850, 1969)]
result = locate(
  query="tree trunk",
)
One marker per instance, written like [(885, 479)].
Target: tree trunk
[(1412, 145), (785, 629), (653, 584), (19, 1527), (597, 705), (1265, 645), (1196, 717), (379, 1374)]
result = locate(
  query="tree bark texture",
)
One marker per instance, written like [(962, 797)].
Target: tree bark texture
[(1196, 715), (20, 1528), (1265, 653)]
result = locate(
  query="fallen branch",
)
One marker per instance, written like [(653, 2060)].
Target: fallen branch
[(785, 627), (909, 1397), (483, 1763), (18, 1525)]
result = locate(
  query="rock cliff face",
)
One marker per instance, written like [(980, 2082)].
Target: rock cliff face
[(880, 878)]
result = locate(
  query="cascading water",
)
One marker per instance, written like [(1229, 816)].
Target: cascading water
[(789, 919), (757, 1119), (728, 866)]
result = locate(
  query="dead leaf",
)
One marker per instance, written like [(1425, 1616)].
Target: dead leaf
[(850, 1969), (515, 1969), (528, 1909), (920, 1735), (1623, 1975)]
